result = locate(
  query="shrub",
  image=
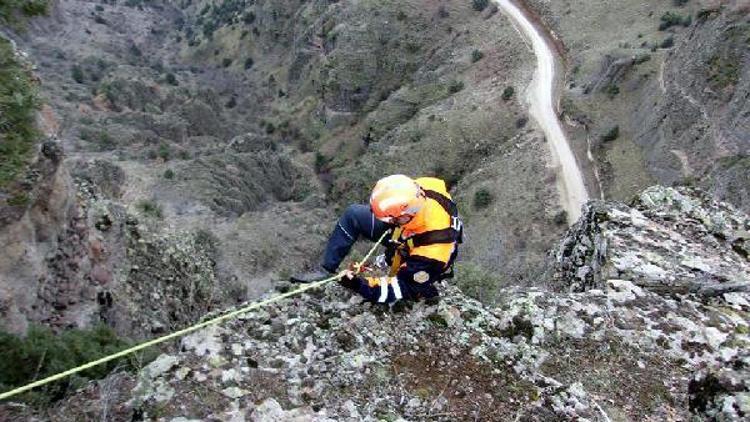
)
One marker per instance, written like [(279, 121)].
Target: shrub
[(106, 142), (482, 198), (611, 90), (455, 86), (165, 152), (249, 62), (671, 19), (158, 67), (35, 7), (135, 51), (18, 105), (249, 18), (320, 163), (611, 134), (415, 136), (476, 56), (77, 74), (508, 93), (476, 282), (521, 122), (171, 79), (642, 58), (100, 138), (19, 200), (226, 62), (723, 71), (270, 128), (668, 42), (43, 353), (705, 14), (169, 174), (561, 218), (479, 5), (150, 208)]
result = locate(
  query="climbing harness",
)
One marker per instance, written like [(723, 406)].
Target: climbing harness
[(451, 234), (214, 321)]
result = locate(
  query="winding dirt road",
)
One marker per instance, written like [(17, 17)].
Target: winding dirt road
[(540, 95)]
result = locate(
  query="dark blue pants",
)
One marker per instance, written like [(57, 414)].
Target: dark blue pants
[(356, 221)]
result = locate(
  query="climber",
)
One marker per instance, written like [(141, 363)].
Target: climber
[(425, 231)]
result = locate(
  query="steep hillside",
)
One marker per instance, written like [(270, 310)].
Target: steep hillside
[(247, 120), (166, 159), (629, 347), (659, 90)]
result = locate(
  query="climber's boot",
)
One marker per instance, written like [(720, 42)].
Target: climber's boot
[(311, 276)]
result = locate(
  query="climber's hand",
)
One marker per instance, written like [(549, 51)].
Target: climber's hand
[(350, 280)]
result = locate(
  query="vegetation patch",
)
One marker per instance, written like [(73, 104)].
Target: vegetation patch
[(479, 5), (15, 12), (101, 139), (612, 91), (668, 42), (150, 208), (477, 282), (455, 86), (473, 389), (482, 198), (611, 134), (476, 56), (670, 19), (723, 71), (18, 103), (43, 353), (635, 382), (171, 79)]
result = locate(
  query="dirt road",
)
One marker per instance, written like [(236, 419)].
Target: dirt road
[(540, 95)]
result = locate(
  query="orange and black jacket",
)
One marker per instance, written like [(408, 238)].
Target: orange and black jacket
[(421, 251)]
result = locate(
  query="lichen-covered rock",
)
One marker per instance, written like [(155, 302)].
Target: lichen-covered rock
[(670, 240), (722, 392), (622, 349)]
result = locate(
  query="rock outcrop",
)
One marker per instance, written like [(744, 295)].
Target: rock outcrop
[(670, 241), (30, 231), (617, 349)]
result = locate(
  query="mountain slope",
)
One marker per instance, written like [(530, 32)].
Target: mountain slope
[(616, 351), (658, 91)]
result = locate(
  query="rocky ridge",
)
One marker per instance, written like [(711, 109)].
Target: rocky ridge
[(617, 349)]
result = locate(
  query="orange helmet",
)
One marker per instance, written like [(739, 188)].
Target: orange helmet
[(396, 199)]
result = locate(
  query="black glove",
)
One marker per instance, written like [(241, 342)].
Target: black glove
[(351, 281)]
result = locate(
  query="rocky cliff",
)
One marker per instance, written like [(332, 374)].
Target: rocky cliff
[(624, 346), (257, 119), (203, 148)]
